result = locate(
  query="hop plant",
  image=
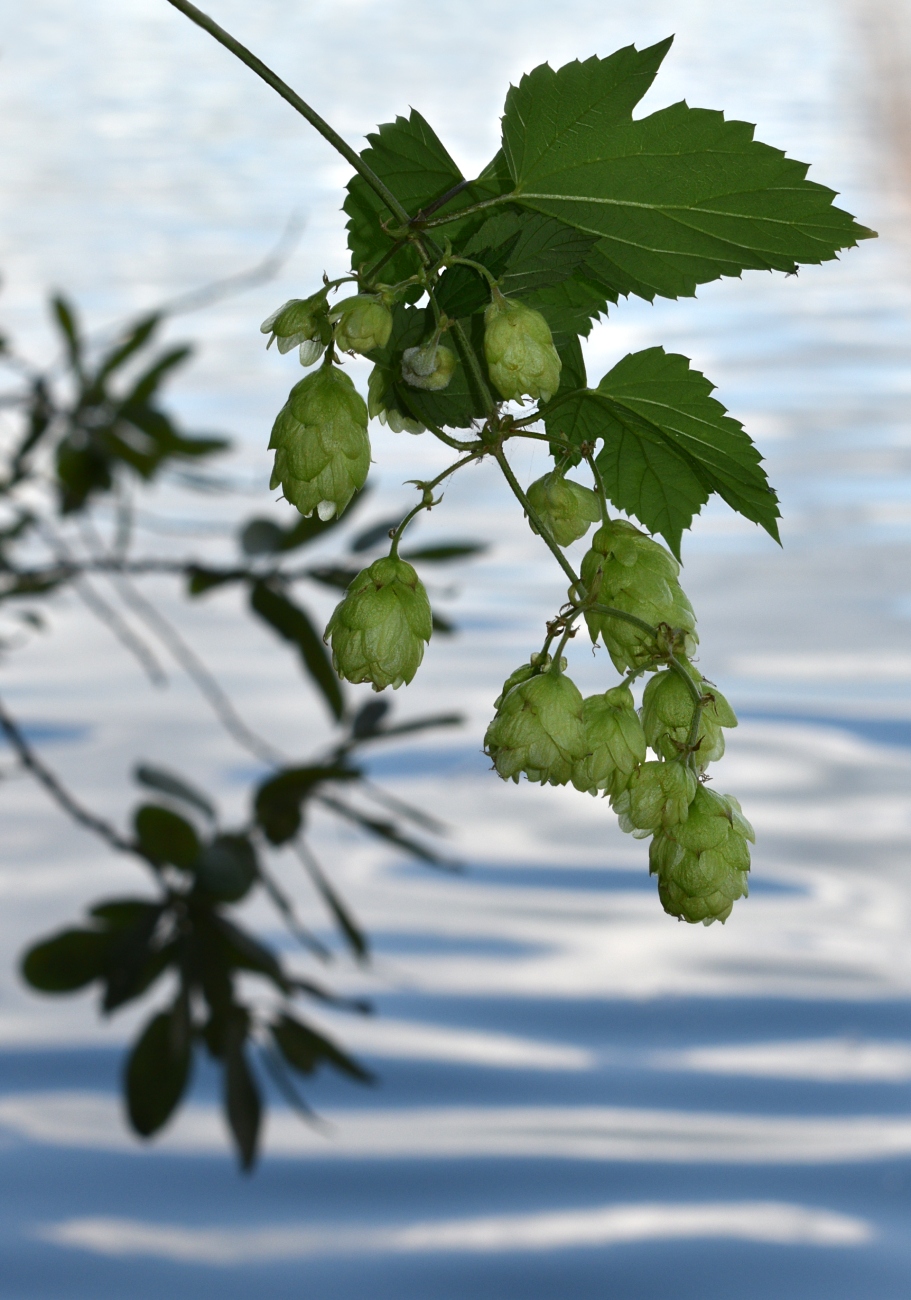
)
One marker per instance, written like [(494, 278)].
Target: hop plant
[(537, 664), (702, 862), (667, 717), (380, 405), (362, 323), (658, 795), (521, 357), (302, 322), (538, 730), (566, 508), (628, 570), (615, 743), (430, 366), (322, 451), (378, 632)]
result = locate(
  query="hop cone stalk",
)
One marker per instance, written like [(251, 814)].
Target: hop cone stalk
[(430, 366), (702, 863), (538, 730), (362, 323), (630, 571), (378, 631), (658, 796), (520, 352), (302, 322), (322, 451), (615, 743), (667, 717), (566, 508)]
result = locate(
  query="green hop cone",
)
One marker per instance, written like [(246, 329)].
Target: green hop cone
[(381, 403), (667, 717), (702, 863), (430, 366), (534, 666), (520, 352), (322, 452), (538, 730), (566, 508), (302, 322), (615, 743), (629, 571), (657, 797), (362, 323), (377, 633)]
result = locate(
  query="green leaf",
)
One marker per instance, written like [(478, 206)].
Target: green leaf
[(454, 406), (65, 317), (445, 551), (242, 1102), (304, 1050), (158, 1071), (227, 867), (278, 800), (292, 624), (67, 961), (678, 198), (165, 837), (158, 778), (668, 444)]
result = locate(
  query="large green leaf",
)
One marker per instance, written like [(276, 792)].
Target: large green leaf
[(678, 198), (667, 444)]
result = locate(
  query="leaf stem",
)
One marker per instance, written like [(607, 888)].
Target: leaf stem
[(280, 87), (599, 486), (462, 212)]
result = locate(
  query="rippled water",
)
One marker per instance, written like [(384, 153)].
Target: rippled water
[(577, 1096)]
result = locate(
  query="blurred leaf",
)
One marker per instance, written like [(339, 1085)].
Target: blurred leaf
[(134, 964), (442, 626), (389, 832), (338, 578), (352, 932), (200, 580), (158, 1070), (278, 800), (119, 913), (368, 718), (242, 1102), (158, 778), (147, 383), (445, 551), (227, 867), (165, 837), (373, 535), (243, 952), (67, 961), (65, 317), (418, 724), (304, 1049), (263, 537), (292, 624), (135, 339)]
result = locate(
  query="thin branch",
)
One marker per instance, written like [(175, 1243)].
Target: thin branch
[(534, 516)]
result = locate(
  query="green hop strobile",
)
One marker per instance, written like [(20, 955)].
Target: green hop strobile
[(322, 451), (521, 358), (303, 323), (378, 632), (702, 862), (615, 743), (667, 717), (658, 796), (381, 403), (538, 729), (362, 323), (564, 507), (431, 366), (629, 571)]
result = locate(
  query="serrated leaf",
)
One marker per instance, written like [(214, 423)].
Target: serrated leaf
[(678, 198), (292, 624), (158, 1071), (667, 444)]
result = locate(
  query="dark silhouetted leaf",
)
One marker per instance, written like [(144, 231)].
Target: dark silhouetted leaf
[(278, 800), (165, 837), (353, 934), (200, 580), (242, 1103), (304, 1049), (445, 551), (65, 317), (389, 832), (227, 867), (158, 778), (292, 624), (67, 961), (442, 625), (368, 717), (373, 535), (244, 952), (135, 339), (264, 537), (158, 1070), (333, 576)]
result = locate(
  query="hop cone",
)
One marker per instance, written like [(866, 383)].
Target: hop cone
[(322, 452), (667, 717), (377, 632), (629, 571), (523, 672), (381, 404), (362, 323), (568, 509), (702, 863), (658, 796), (538, 730), (615, 744), (303, 322), (430, 367), (520, 352)]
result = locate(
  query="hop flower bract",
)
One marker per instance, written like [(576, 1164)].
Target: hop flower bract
[(667, 717), (629, 571), (657, 796), (566, 508), (322, 451), (302, 322), (378, 632), (521, 357), (614, 740), (702, 862), (538, 730)]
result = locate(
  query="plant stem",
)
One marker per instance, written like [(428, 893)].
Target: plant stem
[(599, 487), (534, 516), (272, 79), (427, 502)]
